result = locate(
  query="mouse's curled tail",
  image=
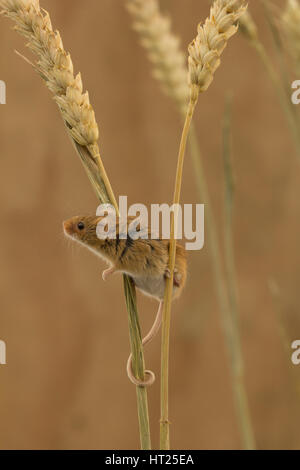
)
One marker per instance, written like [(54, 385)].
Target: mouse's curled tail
[(150, 376)]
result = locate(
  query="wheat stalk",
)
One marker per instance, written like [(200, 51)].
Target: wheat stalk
[(55, 66), (204, 59), (237, 363)]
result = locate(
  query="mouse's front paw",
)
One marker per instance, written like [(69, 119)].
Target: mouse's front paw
[(107, 273)]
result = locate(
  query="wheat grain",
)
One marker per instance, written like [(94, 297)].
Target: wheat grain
[(55, 66), (211, 40), (163, 48)]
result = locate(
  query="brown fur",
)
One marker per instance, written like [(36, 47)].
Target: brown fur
[(145, 260)]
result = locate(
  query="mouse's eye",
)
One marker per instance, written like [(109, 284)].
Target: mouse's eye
[(80, 226)]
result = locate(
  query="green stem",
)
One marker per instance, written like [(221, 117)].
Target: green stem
[(138, 364), (228, 206), (230, 333), (237, 365)]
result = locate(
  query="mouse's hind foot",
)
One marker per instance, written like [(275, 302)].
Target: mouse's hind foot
[(177, 276)]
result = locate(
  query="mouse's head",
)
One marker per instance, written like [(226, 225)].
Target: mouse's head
[(83, 230)]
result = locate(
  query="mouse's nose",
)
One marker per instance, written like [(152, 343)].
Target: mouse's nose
[(68, 227)]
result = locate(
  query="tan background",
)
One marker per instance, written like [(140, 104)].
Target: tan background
[(66, 331)]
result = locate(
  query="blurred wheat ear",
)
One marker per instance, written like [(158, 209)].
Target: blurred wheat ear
[(163, 49), (55, 67), (250, 31), (290, 20)]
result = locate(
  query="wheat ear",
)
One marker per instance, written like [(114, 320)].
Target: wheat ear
[(211, 40), (55, 66), (290, 21), (204, 59)]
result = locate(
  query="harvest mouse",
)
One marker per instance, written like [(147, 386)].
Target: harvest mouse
[(144, 260)]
